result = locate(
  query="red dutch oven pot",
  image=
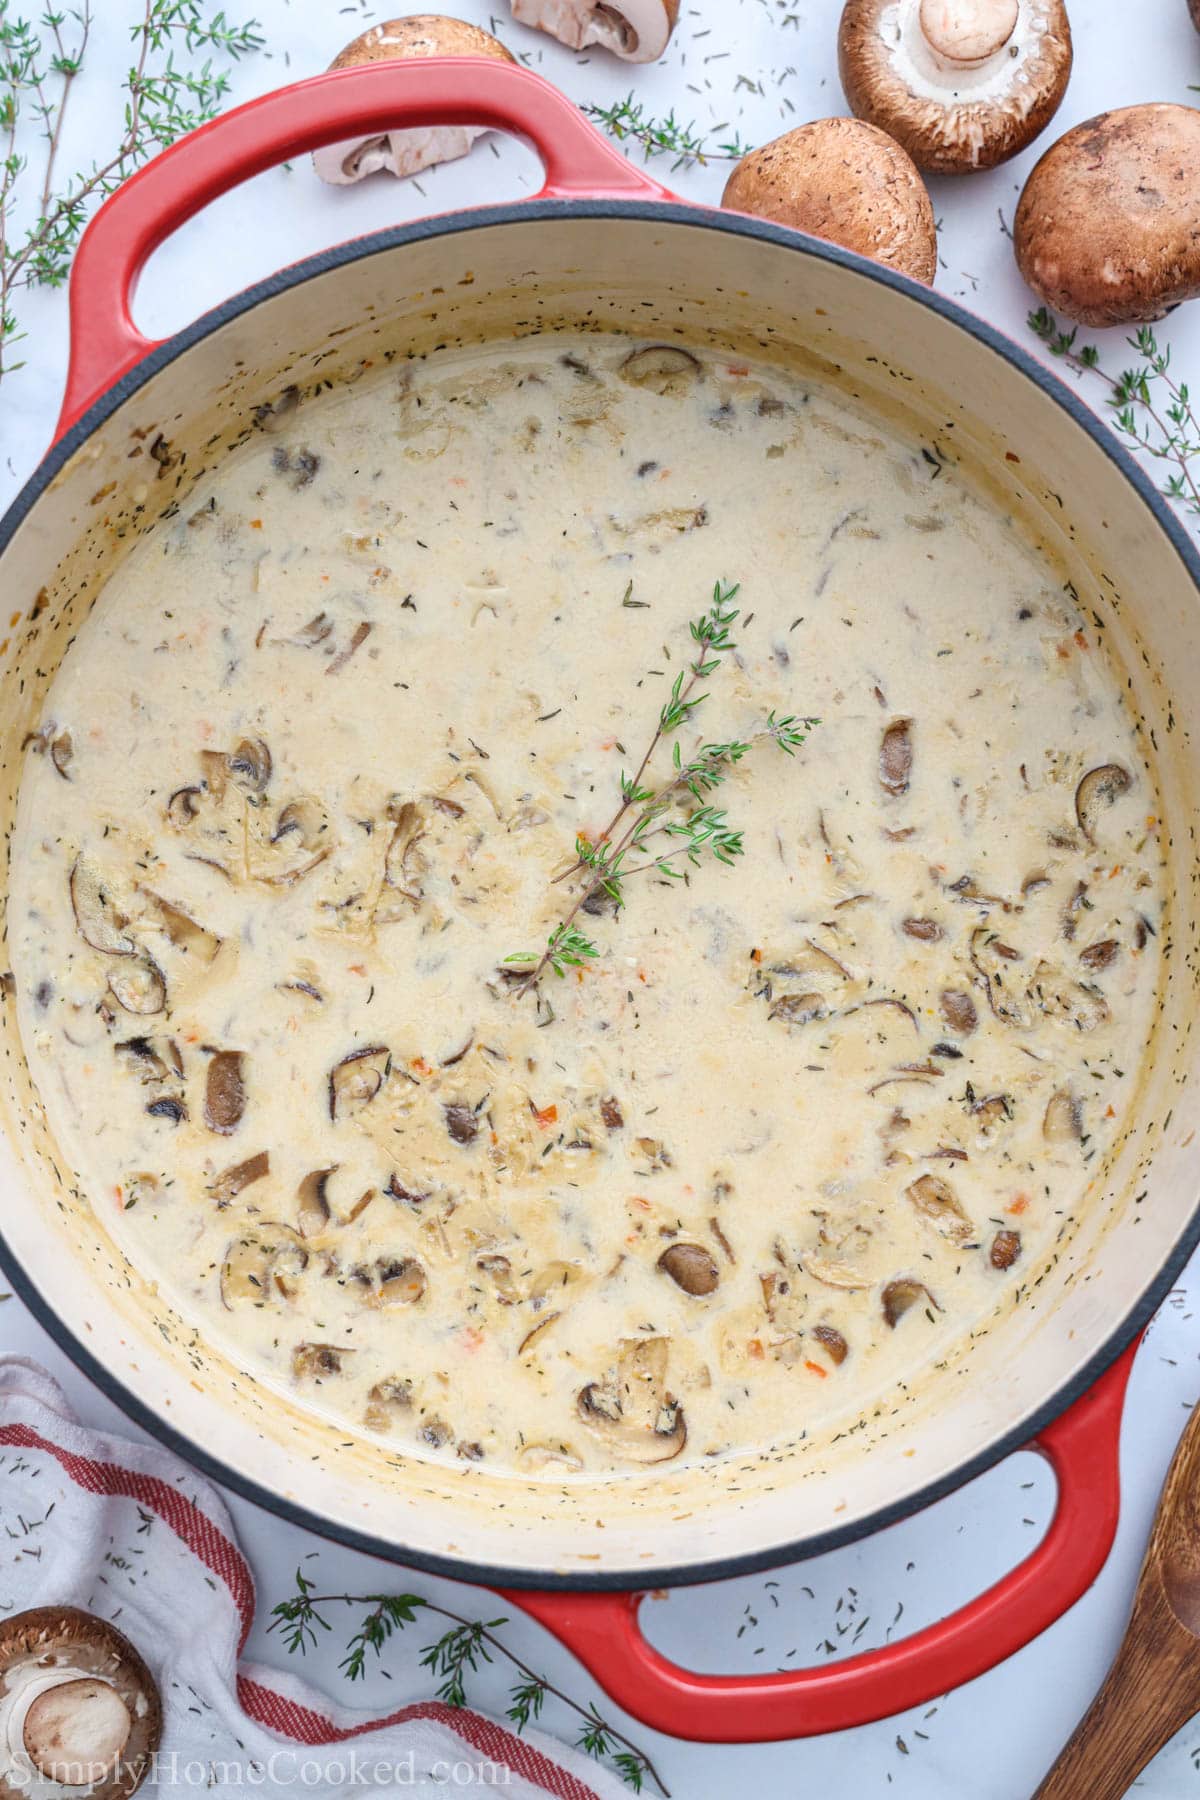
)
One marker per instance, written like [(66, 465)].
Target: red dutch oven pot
[(603, 231)]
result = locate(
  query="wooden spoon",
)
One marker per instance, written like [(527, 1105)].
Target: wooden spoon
[(1153, 1687)]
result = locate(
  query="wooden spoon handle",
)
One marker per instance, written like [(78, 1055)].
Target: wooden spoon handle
[(1153, 1687), (1151, 1690)]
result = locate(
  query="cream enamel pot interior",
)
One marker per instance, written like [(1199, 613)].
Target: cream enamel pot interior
[(603, 246)]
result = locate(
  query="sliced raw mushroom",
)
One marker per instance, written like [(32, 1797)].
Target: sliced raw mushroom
[(225, 1091), (665, 369), (832, 1342), (406, 152), (1096, 792), (635, 30), (632, 1414), (901, 1295), (226, 1186), (100, 922), (962, 84), (1063, 1121), (264, 1265), (896, 757), (1005, 1249), (313, 1362), (80, 1711), (356, 1080), (387, 1398), (846, 182), (392, 1281), (138, 986), (690, 1268), (1105, 230), (937, 1203)]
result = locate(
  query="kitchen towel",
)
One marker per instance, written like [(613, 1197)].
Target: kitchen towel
[(128, 1531)]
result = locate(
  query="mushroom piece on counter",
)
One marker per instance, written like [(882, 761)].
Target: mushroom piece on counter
[(1107, 229), (406, 152), (846, 182), (962, 84), (79, 1709), (635, 30)]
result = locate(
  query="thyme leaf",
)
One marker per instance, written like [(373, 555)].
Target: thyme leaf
[(1151, 409), (631, 843), (166, 93), (628, 120), (452, 1658)]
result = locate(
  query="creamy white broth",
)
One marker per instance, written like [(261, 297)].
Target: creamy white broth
[(309, 775)]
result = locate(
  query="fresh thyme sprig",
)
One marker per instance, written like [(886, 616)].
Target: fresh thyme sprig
[(453, 1658), (39, 64), (1151, 410), (667, 136), (623, 848)]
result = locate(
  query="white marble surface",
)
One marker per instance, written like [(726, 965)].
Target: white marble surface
[(762, 64)]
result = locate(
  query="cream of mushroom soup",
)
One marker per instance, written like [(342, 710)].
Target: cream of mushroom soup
[(307, 805)]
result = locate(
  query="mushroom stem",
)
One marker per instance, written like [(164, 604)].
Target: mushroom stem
[(966, 33)]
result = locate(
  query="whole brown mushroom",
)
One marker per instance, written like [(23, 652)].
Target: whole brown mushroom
[(79, 1709), (847, 182), (635, 30), (962, 84), (406, 152), (1108, 228)]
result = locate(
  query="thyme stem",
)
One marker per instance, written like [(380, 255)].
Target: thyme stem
[(455, 1651), (668, 136), (164, 97), (1173, 432), (705, 831)]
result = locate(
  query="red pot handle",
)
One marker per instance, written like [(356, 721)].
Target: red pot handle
[(602, 1629), (146, 209)]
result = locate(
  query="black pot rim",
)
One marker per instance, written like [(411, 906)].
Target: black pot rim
[(495, 1575)]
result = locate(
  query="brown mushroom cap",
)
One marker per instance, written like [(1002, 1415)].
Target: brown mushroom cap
[(962, 84), (635, 30), (406, 152), (78, 1699), (1108, 228), (847, 182)]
